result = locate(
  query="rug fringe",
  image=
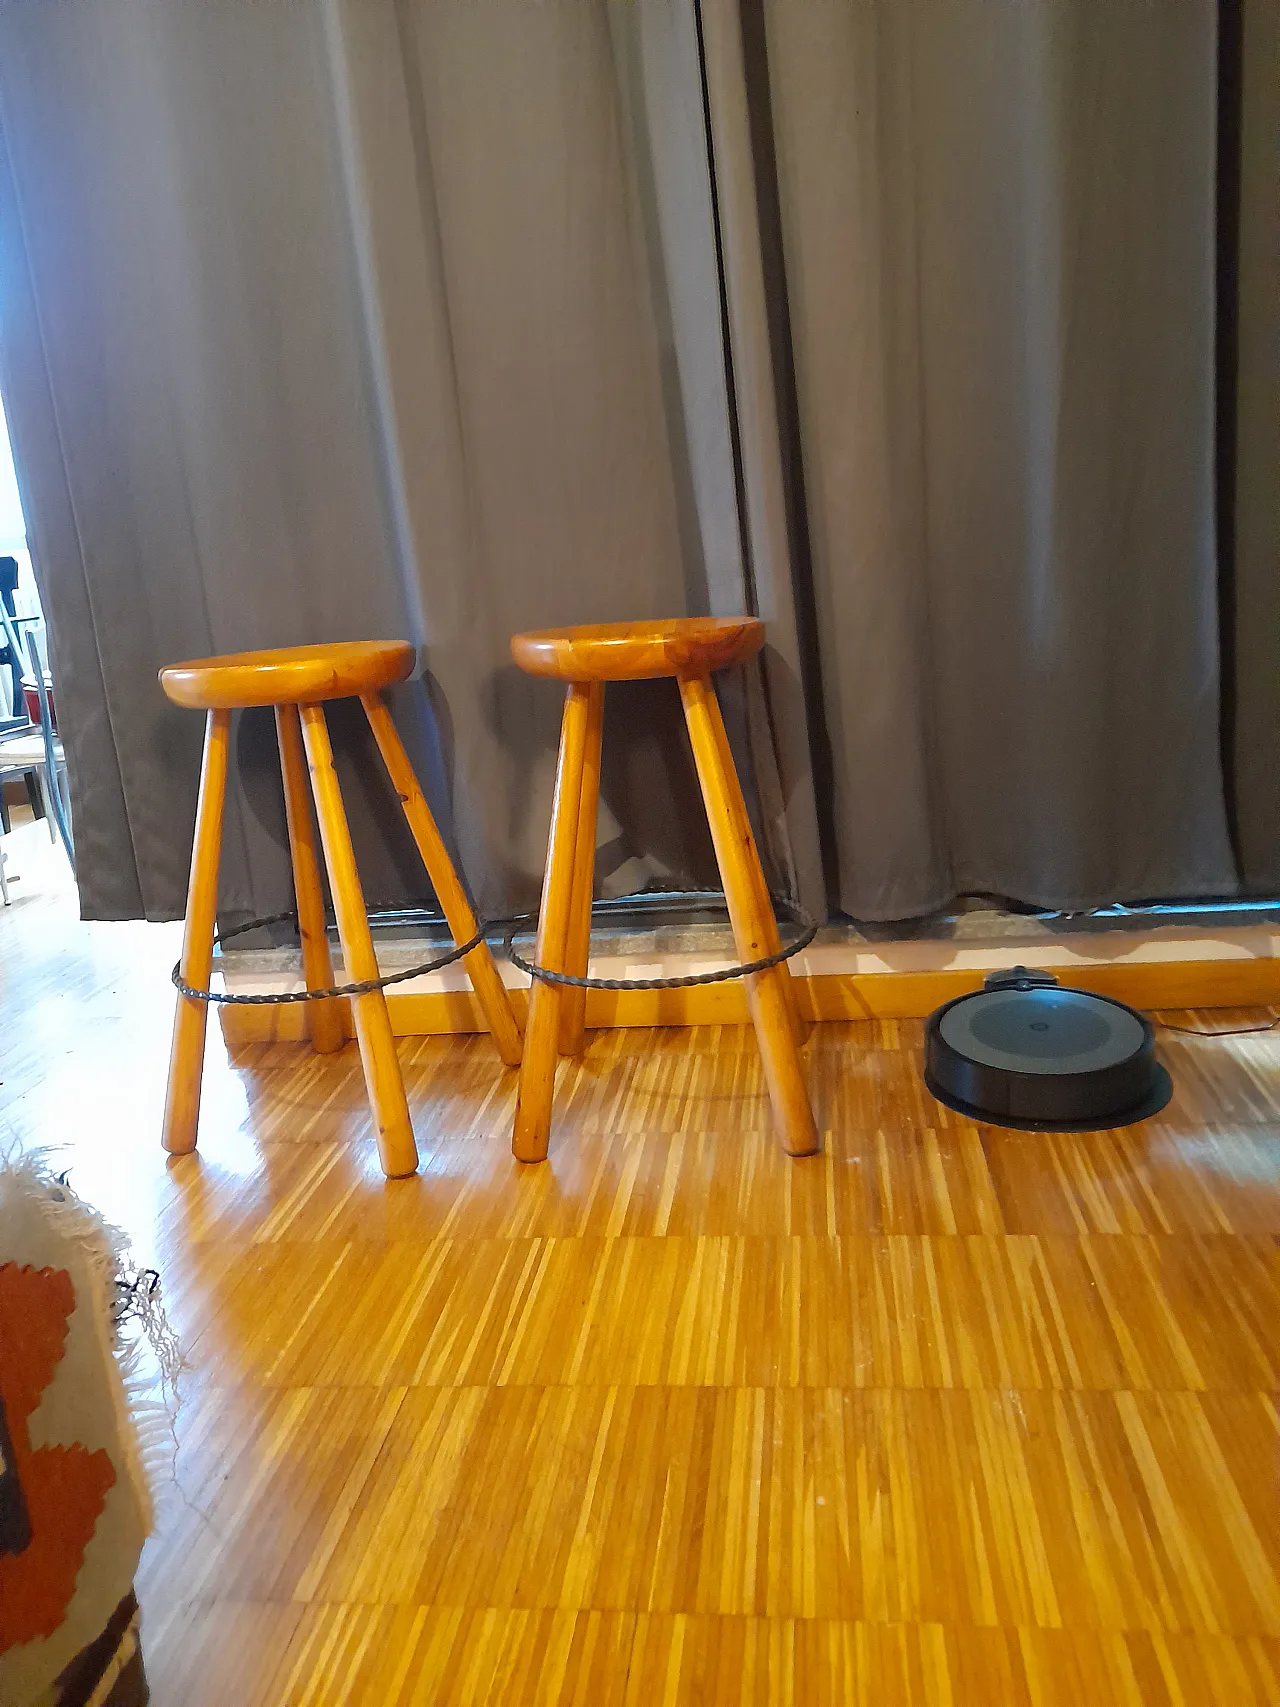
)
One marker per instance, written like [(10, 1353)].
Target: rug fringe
[(145, 1398)]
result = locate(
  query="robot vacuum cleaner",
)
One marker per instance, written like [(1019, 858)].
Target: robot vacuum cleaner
[(1025, 1052)]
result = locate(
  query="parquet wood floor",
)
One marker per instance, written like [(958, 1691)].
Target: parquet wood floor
[(944, 1415)]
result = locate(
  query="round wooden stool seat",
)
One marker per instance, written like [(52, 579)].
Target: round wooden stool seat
[(690, 649), (295, 681), (288, 675), (638, 651)]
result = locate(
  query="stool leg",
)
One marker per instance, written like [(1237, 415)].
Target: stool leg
[(396, 1148), (754, 931), (484, 976), (186, 1056), (573, 1003), (324, 1019), (772, 939), (538, 1069)]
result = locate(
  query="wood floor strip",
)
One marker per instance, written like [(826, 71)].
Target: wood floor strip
[(1034, 1508), (945, 1415), (409, 1656), (1027, 1312)]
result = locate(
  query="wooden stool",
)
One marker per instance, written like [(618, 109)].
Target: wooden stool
[(688, 649), (295, 680)]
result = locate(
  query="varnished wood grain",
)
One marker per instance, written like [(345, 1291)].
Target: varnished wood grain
[(945, 1414), (324, 1019), (288, 675), (619, 652), (632, 651), (393, 1124), (312, 674), (531, 1129), (573, 1003), (191, 1016)]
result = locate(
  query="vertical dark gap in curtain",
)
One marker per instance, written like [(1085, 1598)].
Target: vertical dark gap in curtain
[(735, 436), (1227, 370), (772, 692), (782, 360), (744, 697)]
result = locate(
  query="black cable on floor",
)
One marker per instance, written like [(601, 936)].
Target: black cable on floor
[(1227, 1031)]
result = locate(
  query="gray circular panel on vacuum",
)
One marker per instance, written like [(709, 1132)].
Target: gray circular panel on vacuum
[(1041, 1031)]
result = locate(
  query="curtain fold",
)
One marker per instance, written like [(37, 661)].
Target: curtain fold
[(998, 230), (772, 514), (191, 423), (342, 319), (892, 323)]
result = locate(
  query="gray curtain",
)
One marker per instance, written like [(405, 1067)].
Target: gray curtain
[(434, 317), (362, 317), (998, 226), (1252, 584)]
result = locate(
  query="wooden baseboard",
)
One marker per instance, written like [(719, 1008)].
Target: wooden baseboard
[(1238, 982)]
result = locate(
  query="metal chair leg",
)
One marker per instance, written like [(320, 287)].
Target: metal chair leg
[(42, 780), (62, 788)]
